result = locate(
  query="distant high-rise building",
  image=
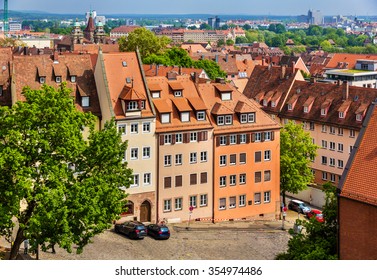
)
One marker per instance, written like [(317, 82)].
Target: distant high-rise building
[(315, 17), (214, 22)]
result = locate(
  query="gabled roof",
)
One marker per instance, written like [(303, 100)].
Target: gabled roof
[(347, 60), (182, 104), (129, 93)]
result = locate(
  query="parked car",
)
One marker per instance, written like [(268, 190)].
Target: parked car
[(134, 230), (158, 231), (298, 206), (317, 214)]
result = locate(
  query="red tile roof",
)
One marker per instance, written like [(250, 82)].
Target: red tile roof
[(347, 60)]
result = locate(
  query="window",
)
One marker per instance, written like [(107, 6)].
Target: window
[(193, 179), (359, 117), (267, 175), (167, 205), (134, 128), (178, 203), (232, 180), (203, 156), (178, 181), (341, 115), (136, 180), (324, 144), (193, 136), (201, 116), (306, 109), (233, 139), (340, 131), (267, 155), (267, 197), (156, 94), (332, 130), (222, 204), (222, 181), (85, 101), (132, 105), (167, 160), (340, 163), (167, 182), (193, 157), (257, 197), (226, 96), (243, 118), (352, 133), (324, 176), (42, 80), (324, 160), (332, 146), (232, 202), (73, 79), (273, 104), (58, 79), (177, 93), (147, 178), (258, 156), (242, 200), (242, 179), (332, 162), (193, 201), (242, 158), (203, 178), (146, 127), (146, 152), (323, 112), (324, 128), (228, 119), (258, 136), (185, 116), (165, 118), (258, 177), (289, 107), (220, 120), (222, 140), (311, 125), (242, 138), (178, 138), (351, 148), (142, 104), (340, 147), (267, 136), (134, 153), (222, 160), (167, 139), (251, 117), (178, 159), (203, 200), (122, 128), (332, 177), (232, 159)]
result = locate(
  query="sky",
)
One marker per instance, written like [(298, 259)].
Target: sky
[(215, 7)]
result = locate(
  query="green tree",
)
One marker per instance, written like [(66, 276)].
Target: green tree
[(69, 185), (145, 40), (205, 26), (296, 152), (280, 28), (317, 241), (229, 42), (220, 42)]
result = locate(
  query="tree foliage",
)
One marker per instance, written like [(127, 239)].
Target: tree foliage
[(68, 185), (296, 152), (317, 241)]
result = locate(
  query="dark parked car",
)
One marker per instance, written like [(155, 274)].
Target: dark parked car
[(158, 231), (298, 206), (134, 230), (317, 214)]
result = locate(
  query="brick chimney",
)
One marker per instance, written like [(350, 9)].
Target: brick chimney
[(293, 67), (283, 70), (346, 90)]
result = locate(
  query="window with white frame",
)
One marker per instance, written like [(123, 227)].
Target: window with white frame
[(136, 181), (73, 79), (193, 201), (340, 131), (352, 133), (324, 176), (232, 159), (178, 159), (243, 118), (222, 181), (267, 155), (200, 116), (251, 117), (324, 128), (340, 163), (142, 104), (185, 116), (222, 203), (258, 136), (226, 96), (222, 160), (193, 136), (332, 130), (340, 147), (323, 112), (222, 140), (134, 128), (359, 117), (267, 175), (265, 102), (220, 120), (146, 127), (341, 115), (146, 152), (332, 162), (203, 200), (332, 177), (134, 153), (178, 203), (228, 119), (147, 178), (324, 144), (156, 94), (267, 197), (242, 178), (178, 138), (242, 138), (233, 139), (232, 180), (257, 198), (232, 202), (165, 118), (42, 80), (203, 156), (332, 146), (306, 109), (290, 107), (242, 158), (242, 200), (267, 136), (193, 158), (167, 205), (85, 101), (311, 126), (167, 160), (273, 104), (324, 160), (122, 128), (58, 79), (167, 139), (132, 105)]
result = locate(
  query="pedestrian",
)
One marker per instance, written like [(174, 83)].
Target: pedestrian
[(26, 246)]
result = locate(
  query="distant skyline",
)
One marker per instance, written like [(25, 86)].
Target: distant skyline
[(215, 7)]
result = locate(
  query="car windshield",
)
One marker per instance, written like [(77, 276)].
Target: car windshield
[(164, 229), (140, 227)]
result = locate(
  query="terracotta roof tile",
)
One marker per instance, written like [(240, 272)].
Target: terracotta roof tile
[(197, 103), (339, 59), (182, 104), (175, 86), (163, 106)]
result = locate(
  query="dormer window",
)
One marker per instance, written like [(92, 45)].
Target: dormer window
[(132, 106), (290, 107), (73, 79), (185, 116), (85, 101), (142, 104), (341, 115), (323, 112), (156, 94), (265, 102), (165, 118), (201, 116), (250, 118), (42, 79), (306, 109), (178, 93), (220, 120), (58, 79), (359, 117), (226, 96), (273, 104), (228, 119)]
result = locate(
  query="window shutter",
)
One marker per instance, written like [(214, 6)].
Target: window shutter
[(193, 179), (227, 140), (233, 158), (167, 182), (161, 139), (203, 177), (238, 139), (217, 141), (186, 137), (272, 135), (200, 136), (248, 138), (262, 136), (205, 136), (178, 181), (173, 138), (252, 137)]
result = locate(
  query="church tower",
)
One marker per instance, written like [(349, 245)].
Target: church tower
[(90, 28), (77, 36), (99, 34)]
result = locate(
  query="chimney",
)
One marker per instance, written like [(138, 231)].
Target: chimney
[(345, 90), (156, 69), (216, 58), (56, 57), (263, 61), (283, 70), (226, 58), (195, 77), (180, 70), (293, 67)]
